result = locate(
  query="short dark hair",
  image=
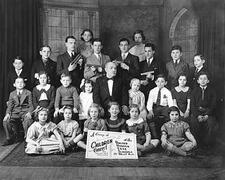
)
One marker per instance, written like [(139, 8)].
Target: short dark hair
[(20, 78), (86, 30), (139, 32), (18, 58), (161, 76), (124, 39), (203, 73), (173, 108), (45, 46), (151, 45), (111, 103), (176, 47), (134, 106), (96, 40), (201, 56), (65, 75), (44, 72), (87, 81), (70, 37)]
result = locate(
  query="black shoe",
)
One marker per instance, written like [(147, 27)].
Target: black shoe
[(7, 142)]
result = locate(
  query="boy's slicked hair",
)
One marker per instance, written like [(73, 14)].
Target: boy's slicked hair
[(70, 37), (134, 106), (161, 76), (176, 47), (65, 75), (45, 46), (96, 40), (200, 55), (18, 58), (151, 45), (124, 39), (203, 73), (173, 108), (139, 32), (86, 30), (20, 78)]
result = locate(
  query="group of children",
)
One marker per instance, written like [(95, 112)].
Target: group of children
[(64, 115)]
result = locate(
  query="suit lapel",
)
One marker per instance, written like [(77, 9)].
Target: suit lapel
[(15, 96), (23, 96), (105, 86)]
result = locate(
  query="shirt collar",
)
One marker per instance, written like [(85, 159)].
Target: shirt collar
[(178, 61), (150, 60)]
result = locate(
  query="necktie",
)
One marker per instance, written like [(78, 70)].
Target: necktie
[(175, 63), (203, 94), (72, 55), (158, 97)]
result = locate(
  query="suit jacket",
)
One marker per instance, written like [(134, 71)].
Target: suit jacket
[(49, 68), (16, 105), (133, 72), (12, 77), (194, 76), (174, 71), (155, 66), (209, 102), (94, 61), (63, 62), (101, 94)]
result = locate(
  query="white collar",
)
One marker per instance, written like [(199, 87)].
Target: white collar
[(131, 123), (198, 69), (70, 53), (150, 60), (178, 61), (39, 87)]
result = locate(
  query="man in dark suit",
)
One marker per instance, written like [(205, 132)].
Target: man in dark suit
[(44, 64), (150, 68), (127, 64), (66, 65), (18, 71), (110, 88)]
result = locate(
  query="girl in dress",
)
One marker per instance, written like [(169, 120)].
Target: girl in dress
[(43, 95), (137, 97), (114, 123), (86, 99), (181, 97), (85, 48), (176, 136), (139, 48), (69, 130), (43, 137), (139, 127), (93, 122)]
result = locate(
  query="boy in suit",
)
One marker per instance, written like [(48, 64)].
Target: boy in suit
[(95, 63), (18, 111), (127, 64), (44, 64), (159, 101), (199, 67), (203, 103), (176, 67), (66, 65), (150, 68), (18, 71), (110, 88)]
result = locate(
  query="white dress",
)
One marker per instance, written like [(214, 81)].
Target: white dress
[(86, 99)]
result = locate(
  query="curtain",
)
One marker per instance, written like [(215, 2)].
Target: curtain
[(20, 34)]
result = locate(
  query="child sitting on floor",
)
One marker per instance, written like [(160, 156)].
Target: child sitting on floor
[(176, 136), (69, 130), (137, 97), (115, 123), (139, 127), (93, 122), (43, 137)]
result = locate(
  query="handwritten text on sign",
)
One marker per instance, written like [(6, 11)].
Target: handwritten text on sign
[(111, 145)]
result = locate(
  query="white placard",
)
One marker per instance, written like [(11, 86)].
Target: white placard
[(111, 145)]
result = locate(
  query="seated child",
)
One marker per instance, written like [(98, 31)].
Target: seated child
[(93, 122), (203, 103), (86, 99), (139, 127), (43, 137), (19, 111), (182, 97), (176, 136), (115, 123), (43, 95), (66, 95), (176, 66), (137, 97), (159, 101), (69, 130), (95, 63), (199, 67)]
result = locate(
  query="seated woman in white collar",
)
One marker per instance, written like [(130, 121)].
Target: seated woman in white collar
[(43, 95), (140, 127)]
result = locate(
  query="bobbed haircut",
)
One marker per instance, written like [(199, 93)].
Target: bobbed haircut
[(173, 108), (139, 32), (134, 106), (86, 30)]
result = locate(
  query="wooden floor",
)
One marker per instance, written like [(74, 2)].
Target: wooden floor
[(98, 173)]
